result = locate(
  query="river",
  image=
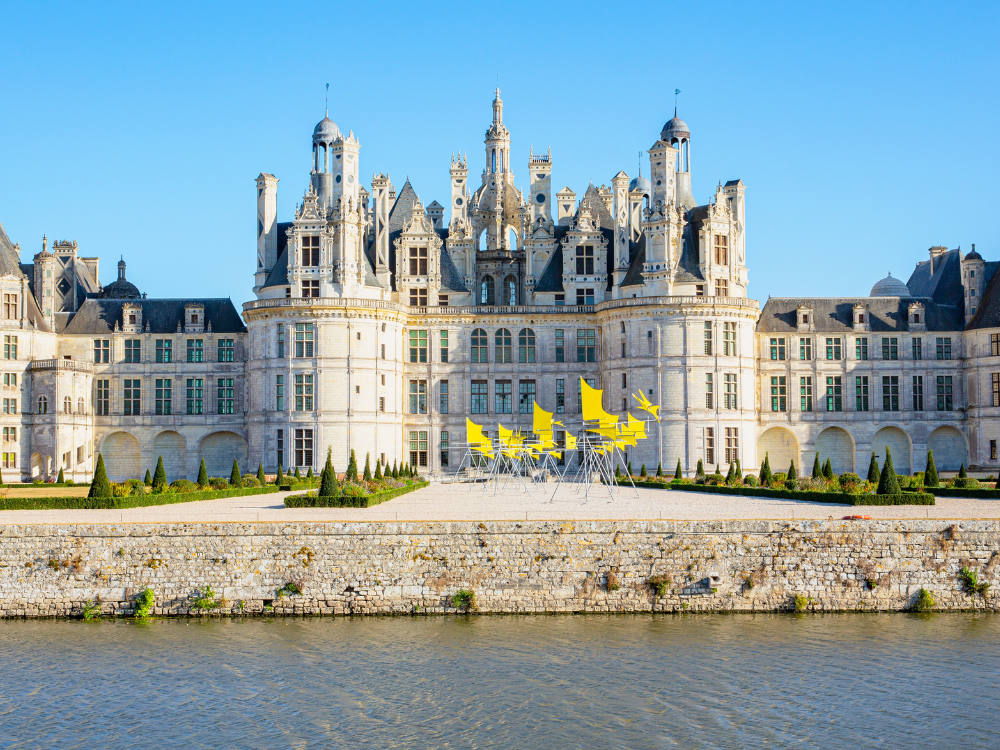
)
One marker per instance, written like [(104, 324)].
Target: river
[(553, 682)]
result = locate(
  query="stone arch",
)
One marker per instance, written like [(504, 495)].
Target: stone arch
[(37, 467), (219, 449), (122, 458), (950, 448), (837, 444), (172, 446), (780, 446), (899, 443)]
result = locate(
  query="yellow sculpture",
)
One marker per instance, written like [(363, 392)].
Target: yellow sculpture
[(646, 405)]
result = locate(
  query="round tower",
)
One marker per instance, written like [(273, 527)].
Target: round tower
[(677, 134)]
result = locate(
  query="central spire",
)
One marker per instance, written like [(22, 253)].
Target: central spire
[(498, 108)]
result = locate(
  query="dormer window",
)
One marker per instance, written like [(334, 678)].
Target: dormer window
[(194, 318), (861, 317), (916, 317), (131, 320), (805, 320), (418, 261)]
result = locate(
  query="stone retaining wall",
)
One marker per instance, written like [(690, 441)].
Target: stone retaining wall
[(402, 568)]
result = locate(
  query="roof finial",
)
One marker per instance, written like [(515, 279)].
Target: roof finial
[(676, 92), (327, 107)]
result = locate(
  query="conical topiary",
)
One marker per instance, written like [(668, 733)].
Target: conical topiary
[(328, 479), (148, 479), (368, 467), (260, 474), (280, 478), (700, 470), (298, 474), (642, 471), (739, 471), (235, 478), (630, 468), (395, 471), (887, 483), (618, 471), (352, 468), (961, 472), (159, 477), (930, 474), (717, 474), (59, 479), (817, 468), (202, 474), (100, 486), (873, 472), (659, 468), (731, 474), (766, 477), (309, 474), (828, 469), (377, 476), (792, 474), (678, 474)]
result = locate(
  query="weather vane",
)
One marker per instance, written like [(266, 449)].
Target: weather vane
[(328, 100)]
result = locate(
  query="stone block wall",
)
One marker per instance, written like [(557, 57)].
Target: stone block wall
[(404, 568)]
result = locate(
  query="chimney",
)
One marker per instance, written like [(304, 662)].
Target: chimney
[(935, 252)]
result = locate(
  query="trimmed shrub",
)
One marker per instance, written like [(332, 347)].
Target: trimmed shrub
[(848, 480), (59, 480), (828, 470), (699, 472), (351, 497), (249, 481), (309, 473), (659, 468), (202, 474), (642, 471), (183, 485), (368, 467), (961, 472), (902, 498), (717, 474), (751, 481), (260, 475), (135, 487), (395, 471), (352, 468), (159, 477), (630, 472), (930, 473), (100, 486), (148, 480), (817, 469), (739, 471), (298, 474), (873, 472), (965, 483), (218, 483), (887, 483), (280, 478), (791, 471), (766, 477), (677, 472), (328, 479), (123, 500), (377, 476), (235, 477), (731, 474)]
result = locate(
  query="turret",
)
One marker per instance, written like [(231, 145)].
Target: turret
[(540, 196), (267, 226), (566, 200), (497, 141), (677, 134), (973, 267)]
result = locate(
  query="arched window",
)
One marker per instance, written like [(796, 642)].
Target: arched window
[(67, 405), (43, 405), (480, 346), (503, 346), (494, 165), (510, 291), (487, 293), (526, 345), (512, 238), (623, 326), (80, 408)]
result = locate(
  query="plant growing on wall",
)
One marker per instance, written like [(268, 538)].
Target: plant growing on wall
[(924, 602), (144, 604)]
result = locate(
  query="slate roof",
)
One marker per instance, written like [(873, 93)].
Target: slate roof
[(451, 278), (551, 278), (637, 252), (279, 274), (687, 267), (944, 285), (98, 316), (834, 314), (987, 313), (10, 263)]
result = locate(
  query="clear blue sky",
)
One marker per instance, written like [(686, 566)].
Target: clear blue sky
[(865, 133)]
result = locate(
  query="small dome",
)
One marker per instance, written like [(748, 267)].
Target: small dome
[(675, 128), (890, 287), (326, 127), (973, 255), (120, 288), (641, 183)]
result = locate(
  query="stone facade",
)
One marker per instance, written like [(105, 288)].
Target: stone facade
[(403, 568)]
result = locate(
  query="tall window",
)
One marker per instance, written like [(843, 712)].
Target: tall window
[(833, 350), (225, 396), (708, 337), (418, 261), (164, 396), (732, 445), (709, 391), (80, 407), (624, 380), (585, 260), (805, 349), (443, 397), (132, 396), (310, 250), (526, 345), (444, 447), (503, 396), (195, 396), (102, 402), (279, 443), (806, 394), (418, 346), (418, 448), (730, 394), (304, 392), (861, 348), (303, 447), (195, 350), (418, 397), (10, 306), (43, 405), (710, 445), (890, 393), (510, 291), (890, 348), (226, 350), (67, 405), (834, 394), (164, 351), (779, 393), (995, 344), (487, 291), (722, 250), (304, 339), (279, 393), (526, 396), (944, 348), (560, 396), (560, 346), (10, 347), (480, 346), (995, 379), (721, 288), (444, 346), (917, 348), (861, 393), (102, 350), (418, 297), (502, 340), (584, 296), (777, 348), (133, 351), (729, 339), (310, 288), (918, 393), (944, 393), (586, 345), (480, 397)]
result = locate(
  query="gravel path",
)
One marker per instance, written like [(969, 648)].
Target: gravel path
[(468, 503)]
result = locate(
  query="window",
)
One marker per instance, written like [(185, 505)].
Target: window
[(526, 345), (918, 393), (43, 405), (310, 251), (383, 351), (510, 291), (585, 260), (418, 448), (861, 348), (732, 445), (10, 306), (993, 450), (721, 288), (164, 352), (729, 339), (709, 392), (560, 396), (10, 347), (487, 291), (303, 339), (304, 392), (560, 346), (624, 350), (708, 337), (833, 348), (779, 393), (710, 445), (195, 350), (502, 400), (503, 346), (133, 351), (479, 397), (418, 346), (443, 397), (10, 405), (224, 394), (890, 393), (444, 346), (526, 396), (225, 350), (624, 380), (995, 378), (303, 447), (584, 296), (729, 380), (418, 297), (861, 393), (10, 434), (560, 300), (944, 348), (444, 447), (699, 290), (777, 349), (722, 250), (102, 350), (163, 396), (806, 394), (103, 399), (279, 393), (281, 341), (310, 288), (480, 346), (917, 348), (279, 444), (67, 405), (649, 342), (944, 393), (132, 397), (834, 394), (805, 349), (418, 397), (995, 344), (10, 460), (195, 396), (890, 349), (10, 380), (442, 300), (586, 349), (418, 261)]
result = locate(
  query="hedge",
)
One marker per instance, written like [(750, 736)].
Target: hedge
[(841, 498), (985, 494), (346, 501), (133, 501)]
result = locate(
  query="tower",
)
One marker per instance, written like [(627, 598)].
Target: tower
[(459, 188), (973, 280), (324, 135), (620, 213), (677, 134), (267, 226), (540, 194), (566, 200), (497, 141), (381, 189)]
